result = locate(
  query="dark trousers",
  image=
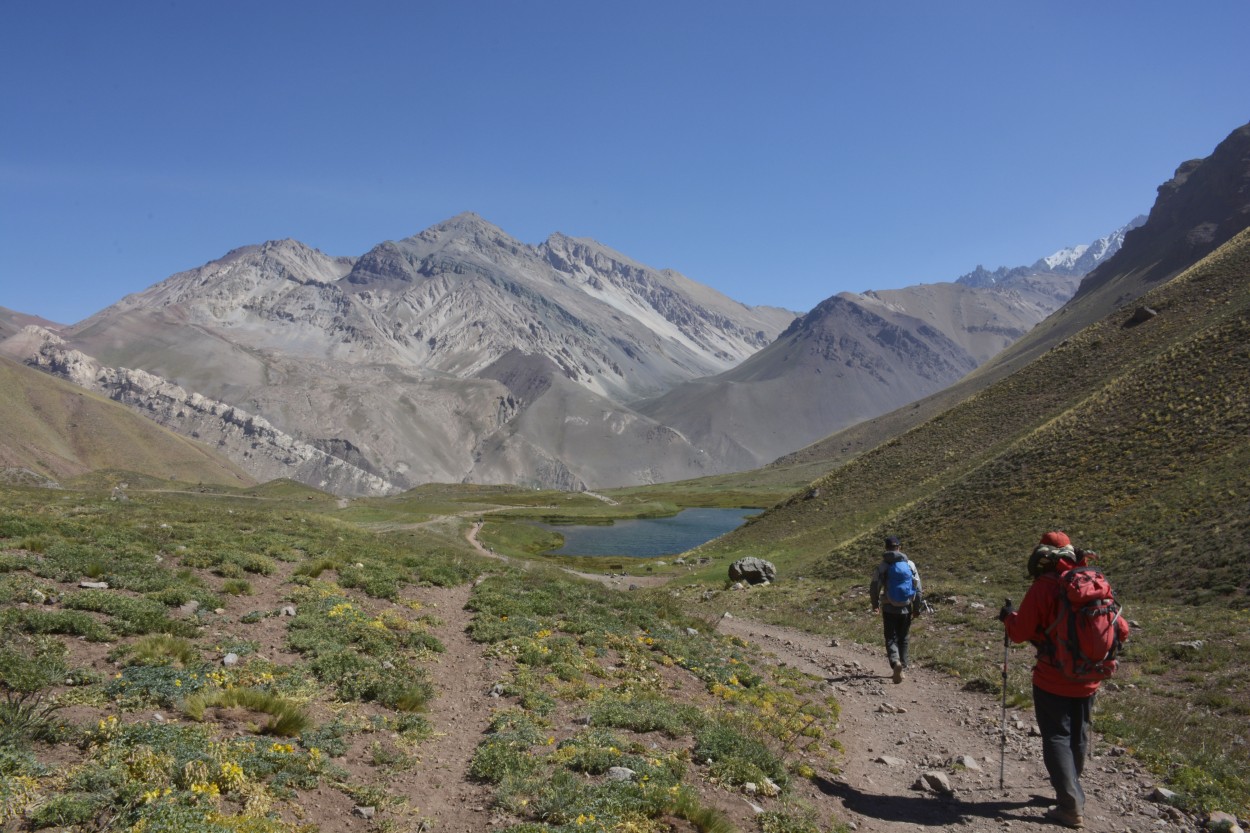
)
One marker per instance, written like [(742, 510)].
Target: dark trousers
[(896, 627), (1064, 724)]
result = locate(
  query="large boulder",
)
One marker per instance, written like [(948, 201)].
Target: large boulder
[(752, 570)]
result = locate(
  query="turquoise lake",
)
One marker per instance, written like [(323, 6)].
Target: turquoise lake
[(649, 537)]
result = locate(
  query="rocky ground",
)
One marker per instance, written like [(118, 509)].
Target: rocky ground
[(893, 734)]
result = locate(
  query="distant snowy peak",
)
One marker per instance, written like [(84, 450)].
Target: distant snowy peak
[(1065, 258), (1078, 260), (1074, 261)]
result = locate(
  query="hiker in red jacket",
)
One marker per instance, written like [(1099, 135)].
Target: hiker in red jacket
[(1061, 703)]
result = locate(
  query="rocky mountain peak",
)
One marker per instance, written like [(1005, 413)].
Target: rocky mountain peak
[(590, 260), (465, 229), (1202, 207), (241, 278)]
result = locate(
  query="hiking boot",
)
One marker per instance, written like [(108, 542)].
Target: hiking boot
[(1064, 817), (898, 671)]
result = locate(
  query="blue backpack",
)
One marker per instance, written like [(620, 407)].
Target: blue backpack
[(900, 587)]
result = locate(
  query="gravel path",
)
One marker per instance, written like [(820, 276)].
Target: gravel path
[(893, 734)]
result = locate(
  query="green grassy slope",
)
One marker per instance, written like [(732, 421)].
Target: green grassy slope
[(60, 430)]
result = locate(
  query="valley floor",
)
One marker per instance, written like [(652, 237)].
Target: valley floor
[(890, 735)]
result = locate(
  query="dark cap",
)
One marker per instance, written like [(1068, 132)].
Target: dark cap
[(891, 542)]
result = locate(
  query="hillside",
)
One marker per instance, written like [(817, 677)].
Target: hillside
[(12, 321), (856, 356), (58, 430)]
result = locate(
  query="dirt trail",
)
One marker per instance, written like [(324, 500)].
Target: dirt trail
[(443, 794)]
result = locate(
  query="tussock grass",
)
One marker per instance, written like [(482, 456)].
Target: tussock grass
[(160, 649), (286, 719), (28, 669)]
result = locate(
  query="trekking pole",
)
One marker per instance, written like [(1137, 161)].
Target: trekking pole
[(1002, 752)]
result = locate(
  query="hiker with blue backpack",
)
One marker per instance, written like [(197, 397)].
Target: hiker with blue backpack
[(895, 592), (1072, 618)]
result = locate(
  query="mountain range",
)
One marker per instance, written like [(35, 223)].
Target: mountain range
[(461, 354)]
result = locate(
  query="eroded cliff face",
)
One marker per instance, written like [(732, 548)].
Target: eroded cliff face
[(259, 448)]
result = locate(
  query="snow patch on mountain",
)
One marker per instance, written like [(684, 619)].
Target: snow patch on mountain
[(1072, 261)]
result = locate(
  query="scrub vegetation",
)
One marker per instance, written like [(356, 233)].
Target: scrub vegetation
[(207, 661)]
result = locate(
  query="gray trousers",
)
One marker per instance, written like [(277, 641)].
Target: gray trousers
[(1064, 724), (896, 627)]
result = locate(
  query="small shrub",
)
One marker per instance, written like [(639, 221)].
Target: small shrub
[(329, 738), (157, 685), (736, 757), (646, 713), (789, 821), (314, 569), (593, 752), (704, 819), (496, 758), (237, 587), (69, 810), (414, 697), (68, 622), (129, 615)]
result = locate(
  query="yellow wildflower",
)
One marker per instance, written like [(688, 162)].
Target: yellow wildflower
[(232, 775)]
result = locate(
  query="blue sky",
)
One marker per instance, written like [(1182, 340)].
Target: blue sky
[(780, 152)]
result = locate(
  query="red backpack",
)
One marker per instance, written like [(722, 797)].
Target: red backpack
[(1084, 636)]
